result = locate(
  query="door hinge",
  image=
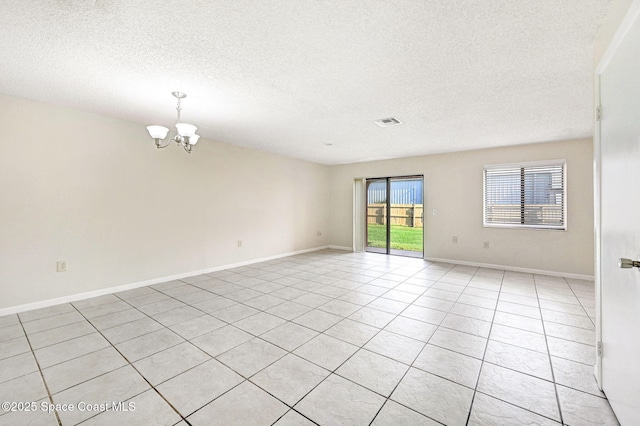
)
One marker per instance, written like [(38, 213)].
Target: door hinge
[(598, 113), (599, 349)]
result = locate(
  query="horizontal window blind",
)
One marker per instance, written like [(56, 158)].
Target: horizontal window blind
[(525, 195)]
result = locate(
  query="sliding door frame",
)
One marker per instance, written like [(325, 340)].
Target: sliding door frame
[(388, 250)]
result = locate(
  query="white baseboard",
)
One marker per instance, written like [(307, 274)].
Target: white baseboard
[(341, 248), (514, 269), (131, 286)]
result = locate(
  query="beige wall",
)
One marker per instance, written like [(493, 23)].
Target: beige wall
[(453, 186), (95, 192)]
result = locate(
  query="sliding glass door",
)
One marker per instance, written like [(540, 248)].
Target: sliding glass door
[(395, 215)]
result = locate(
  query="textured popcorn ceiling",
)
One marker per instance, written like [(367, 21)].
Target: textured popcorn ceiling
[(290, 76)]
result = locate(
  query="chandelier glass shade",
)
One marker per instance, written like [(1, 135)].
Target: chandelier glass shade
[(185, 133)]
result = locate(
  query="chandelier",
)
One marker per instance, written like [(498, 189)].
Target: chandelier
[(186, 133)]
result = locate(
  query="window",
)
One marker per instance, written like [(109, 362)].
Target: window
[(526, 195)]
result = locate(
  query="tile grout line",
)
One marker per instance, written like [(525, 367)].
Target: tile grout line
[(553, 375), (581, 305), (484, 353), (330, 371), (346, 360), (46, 386), (495, 309), (425, 343), (511, 369), (520, 372), (388, 398), (291, 407), (134, 368), (231, 324), (55, 328), (189, 341), (409, 304), (257, 336)]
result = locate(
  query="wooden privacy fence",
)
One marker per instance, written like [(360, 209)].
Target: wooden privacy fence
[(401, 214), (532, 214)]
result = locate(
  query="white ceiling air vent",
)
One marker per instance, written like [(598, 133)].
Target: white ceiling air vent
[(388, 122)]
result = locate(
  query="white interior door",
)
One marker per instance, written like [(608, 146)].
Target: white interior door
[(620, 222)]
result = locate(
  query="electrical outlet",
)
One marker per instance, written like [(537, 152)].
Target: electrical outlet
[(485, 244), (239, 243), (454, 240), (61, 266), (435, 212)]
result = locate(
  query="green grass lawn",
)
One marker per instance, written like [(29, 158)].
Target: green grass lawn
[(402, 237)]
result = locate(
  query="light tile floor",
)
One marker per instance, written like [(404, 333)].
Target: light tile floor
[(328, 337)]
